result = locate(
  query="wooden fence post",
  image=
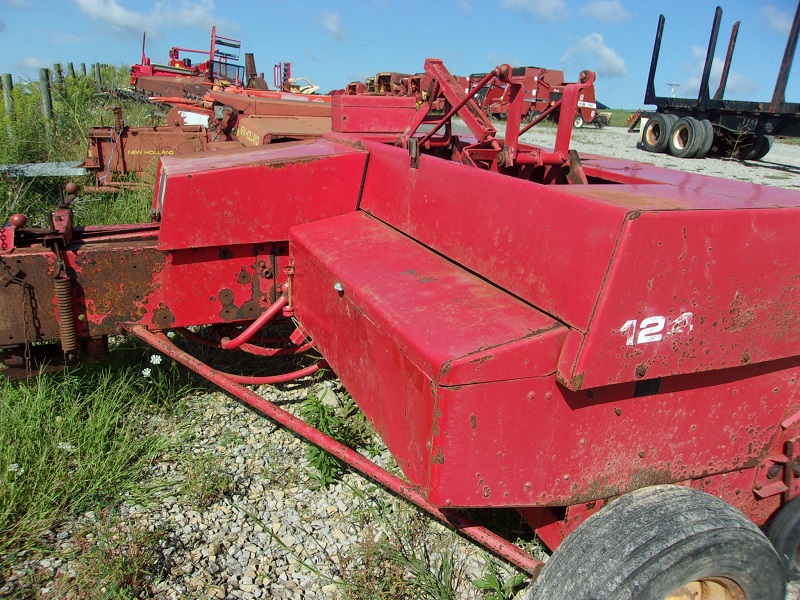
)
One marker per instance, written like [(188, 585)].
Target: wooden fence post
[(59, 76), (98, 77), (8, 88), (70, 70), (83, 69), (47, 99)]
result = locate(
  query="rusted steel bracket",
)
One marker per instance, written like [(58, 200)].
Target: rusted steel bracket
[(461, 524), (769, 479)]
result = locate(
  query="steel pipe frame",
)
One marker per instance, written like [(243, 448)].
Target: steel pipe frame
[(481, 535)]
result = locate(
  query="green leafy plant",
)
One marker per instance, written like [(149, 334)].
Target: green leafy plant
[(496, 584), (342, 420)]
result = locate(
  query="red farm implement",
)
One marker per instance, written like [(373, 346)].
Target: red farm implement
[(608, 347), (542, 89)]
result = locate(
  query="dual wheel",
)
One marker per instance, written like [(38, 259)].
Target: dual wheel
[(686, 137), (667, 543)]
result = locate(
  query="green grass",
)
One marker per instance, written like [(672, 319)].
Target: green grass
[(78, 105), (70, 442), (620, 116)]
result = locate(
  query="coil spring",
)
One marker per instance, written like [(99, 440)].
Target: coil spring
[(66, 316)]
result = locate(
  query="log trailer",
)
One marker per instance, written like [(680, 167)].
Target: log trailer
[(610, 348), (694, 128)]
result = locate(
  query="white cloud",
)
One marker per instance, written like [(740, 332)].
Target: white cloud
[(110, 13), (605, 11), (31, 62), (591, 52), (544, 9), (333, 24), (182, 13), (737, 83), (779, 20)]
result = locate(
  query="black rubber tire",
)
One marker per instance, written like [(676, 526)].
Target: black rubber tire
[(656, 133), (685, 137), (784, 533), (578, 122), (650, 543), (532, 114), (762, 147), (708, 139)]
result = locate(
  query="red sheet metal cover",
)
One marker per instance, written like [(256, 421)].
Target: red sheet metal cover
[(691, 291), (548, 247), (372, 114), (457, 327), (254, 195)]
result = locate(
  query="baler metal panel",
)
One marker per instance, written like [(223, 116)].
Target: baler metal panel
[(693, 290), (253, 196), (548, 247)]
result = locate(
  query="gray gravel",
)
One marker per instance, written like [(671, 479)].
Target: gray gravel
[(275, 533), (780, 168)]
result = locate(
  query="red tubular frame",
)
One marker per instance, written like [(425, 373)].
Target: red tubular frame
[(249, 348), (462, 525)]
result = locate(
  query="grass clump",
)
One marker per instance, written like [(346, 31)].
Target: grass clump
[(115, 559), (69, 442), (207, 481), (402, 556)]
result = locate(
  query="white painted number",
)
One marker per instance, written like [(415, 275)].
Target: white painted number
[(652, 329)]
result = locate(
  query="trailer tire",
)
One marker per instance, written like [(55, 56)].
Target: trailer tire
[(656, 133), (761, 147), (686, 137), (784, 533), (657, 542), (578, 122), (708, 139)]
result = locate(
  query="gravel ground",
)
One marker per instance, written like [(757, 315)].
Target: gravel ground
[(780, 168), (264, 528)]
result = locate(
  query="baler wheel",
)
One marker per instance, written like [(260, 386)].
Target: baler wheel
[(532, 114), (686, 137), (663, 542), (656, 133), (578, 122), (784, 533)]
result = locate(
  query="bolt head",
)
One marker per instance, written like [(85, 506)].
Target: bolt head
[(71, 187)]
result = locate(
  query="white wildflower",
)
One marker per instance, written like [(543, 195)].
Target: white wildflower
[(146, 372), (155, 359), (66, 447), (170, 334), (16, 468)]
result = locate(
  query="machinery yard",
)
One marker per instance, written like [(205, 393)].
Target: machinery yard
[(425, 336)]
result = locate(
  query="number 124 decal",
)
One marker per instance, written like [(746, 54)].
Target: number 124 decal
[(653, 329)]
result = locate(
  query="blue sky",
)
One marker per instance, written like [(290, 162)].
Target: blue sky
[(332, 43)]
